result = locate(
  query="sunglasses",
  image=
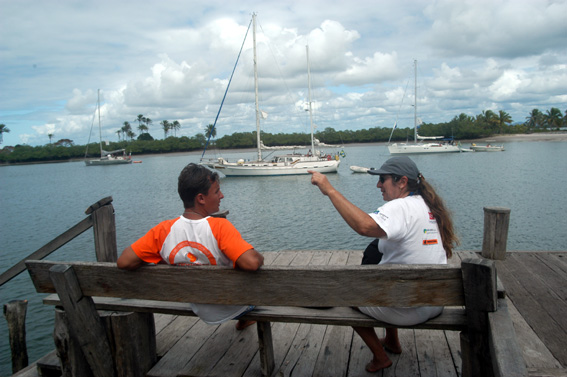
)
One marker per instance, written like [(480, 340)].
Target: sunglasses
[(384, 177)]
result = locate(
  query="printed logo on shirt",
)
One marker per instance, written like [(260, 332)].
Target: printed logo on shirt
[(429, 231), (430, 242), (382, 216), (431, 217)]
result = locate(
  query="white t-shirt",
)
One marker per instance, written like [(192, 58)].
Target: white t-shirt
[(412, 237), (412, 234)]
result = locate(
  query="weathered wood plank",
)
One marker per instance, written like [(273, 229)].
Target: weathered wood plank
[(535, 353), (183, 351), (433, 354), (505, 353), (177, 328), (84, 321), (524, 290), (370, 285)]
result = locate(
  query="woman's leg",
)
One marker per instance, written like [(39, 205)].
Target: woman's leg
[(380, 359), (391, 342)]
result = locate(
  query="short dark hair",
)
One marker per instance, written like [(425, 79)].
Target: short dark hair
[(193, 180)]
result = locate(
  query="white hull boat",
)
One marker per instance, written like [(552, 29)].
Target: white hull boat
[(288, 164), (421, 147), (359, 169), (118, 157), (487, 148)]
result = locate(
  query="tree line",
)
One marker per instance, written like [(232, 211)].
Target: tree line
[(461, 127)]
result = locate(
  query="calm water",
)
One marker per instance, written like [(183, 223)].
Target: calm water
[(38, 202)]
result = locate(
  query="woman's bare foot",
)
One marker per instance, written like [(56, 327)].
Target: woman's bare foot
[(393, 347), (375, 365), (241, 325)]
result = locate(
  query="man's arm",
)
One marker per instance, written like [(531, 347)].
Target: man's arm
[(250, 260), (129, 260)]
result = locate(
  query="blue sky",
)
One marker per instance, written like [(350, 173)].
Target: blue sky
[(170, 60)]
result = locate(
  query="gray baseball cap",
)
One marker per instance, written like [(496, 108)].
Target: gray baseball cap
[(402, 166)]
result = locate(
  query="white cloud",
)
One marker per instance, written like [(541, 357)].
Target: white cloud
[(166, 61)]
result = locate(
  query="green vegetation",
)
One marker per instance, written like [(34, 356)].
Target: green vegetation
[(461, 127)]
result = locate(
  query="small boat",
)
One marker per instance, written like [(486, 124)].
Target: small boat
[(359, 169), (117, 157), (488, 147)]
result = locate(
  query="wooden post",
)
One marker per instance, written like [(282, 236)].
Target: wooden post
[(266, 347), (104, 227), (479, 280), (69, 352), (84, 323), (133, 338), (496, 222), (15, 313)]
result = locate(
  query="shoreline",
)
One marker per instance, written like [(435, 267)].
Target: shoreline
[(559, 136)]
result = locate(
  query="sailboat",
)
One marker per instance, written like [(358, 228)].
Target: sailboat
[(422, 147), (117, 157), (285, 164)]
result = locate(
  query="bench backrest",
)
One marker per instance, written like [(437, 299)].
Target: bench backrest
[(386, 285)]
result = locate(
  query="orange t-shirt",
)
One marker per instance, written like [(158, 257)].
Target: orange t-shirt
[(181, 241)]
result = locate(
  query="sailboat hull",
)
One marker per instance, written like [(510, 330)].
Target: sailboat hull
[(265, 168), (422, 148), (113, 161)]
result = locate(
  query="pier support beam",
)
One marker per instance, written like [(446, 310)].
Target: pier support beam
[(15, 313), (496, 223)]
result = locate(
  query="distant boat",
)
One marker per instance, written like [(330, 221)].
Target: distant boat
[(359, 169), (284, 164), (117, 157), (422, 147), (488, 147)]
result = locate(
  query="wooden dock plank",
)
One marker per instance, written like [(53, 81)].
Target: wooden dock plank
[(537, 304)]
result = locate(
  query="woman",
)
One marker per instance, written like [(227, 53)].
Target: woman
[(414, 227)]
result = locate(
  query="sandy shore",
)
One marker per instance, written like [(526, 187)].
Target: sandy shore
[(540, 136)]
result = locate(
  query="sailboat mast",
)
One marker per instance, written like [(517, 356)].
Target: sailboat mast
[(99, 126), (258, 139), (415, 102), (309, 97)]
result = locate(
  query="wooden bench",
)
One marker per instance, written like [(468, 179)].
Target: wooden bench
[(293, 294)]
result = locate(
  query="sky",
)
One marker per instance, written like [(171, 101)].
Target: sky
[(172, 60)]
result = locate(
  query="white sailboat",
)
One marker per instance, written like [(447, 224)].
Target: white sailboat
[(421, 147), (117, 157), (286, 164)]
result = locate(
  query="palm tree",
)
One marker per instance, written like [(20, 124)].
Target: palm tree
[(535, 119), (119, 132), (503, 119), (50, 136), (142, 128), (140, 119), (553, 118), (126, 129), (166, 126), (211, 131), (3, 129), (176, 126)]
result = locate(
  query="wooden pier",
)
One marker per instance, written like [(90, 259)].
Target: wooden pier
[(536, 297)]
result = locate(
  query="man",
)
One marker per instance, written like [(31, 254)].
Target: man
[(196, 238)]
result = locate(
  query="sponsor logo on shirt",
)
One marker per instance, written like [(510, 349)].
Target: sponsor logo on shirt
[(429, 231), (430, 242), (431, 217)]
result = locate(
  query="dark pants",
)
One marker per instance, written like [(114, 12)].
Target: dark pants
[(371, 254)]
